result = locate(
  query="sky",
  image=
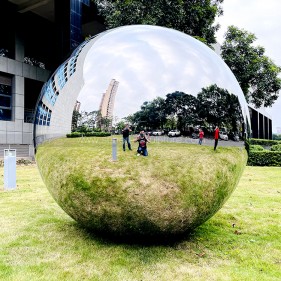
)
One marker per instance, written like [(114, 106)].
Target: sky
[(263, 18), (150, 62)]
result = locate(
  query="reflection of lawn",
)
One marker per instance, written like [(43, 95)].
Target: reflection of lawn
[(174, 189), (241, 242)]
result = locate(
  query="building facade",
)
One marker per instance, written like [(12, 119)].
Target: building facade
[(108, 99), (40, 37)]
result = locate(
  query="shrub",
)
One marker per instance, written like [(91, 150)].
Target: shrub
[(97, 134), (256, 147), (264, 142), (264, 158), (276, 147), (88, 134), (74, 135)]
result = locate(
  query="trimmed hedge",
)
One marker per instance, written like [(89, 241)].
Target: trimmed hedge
[(263, 152), (264, 158), (264, 142), (88, 134), (276, 147), (256, 147)]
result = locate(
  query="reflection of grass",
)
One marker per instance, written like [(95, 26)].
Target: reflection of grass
[(175, 188), (241, 242)]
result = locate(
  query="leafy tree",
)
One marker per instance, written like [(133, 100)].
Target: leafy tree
[(75, 118), (158, 107), (218, 107), (151, 115), (120, 126), (88, 119), (183, 107), (276, 136), (105, 124), (193, 17), (255, 72)]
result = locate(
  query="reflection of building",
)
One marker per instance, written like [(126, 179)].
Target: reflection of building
[(77, 106), (107, 101)]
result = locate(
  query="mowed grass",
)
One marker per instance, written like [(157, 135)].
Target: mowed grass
[(39, 241), (177, 187)]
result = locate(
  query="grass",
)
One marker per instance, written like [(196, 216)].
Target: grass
[(39, 241), (176, 188)]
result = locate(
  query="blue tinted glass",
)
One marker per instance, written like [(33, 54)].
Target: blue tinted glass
[(5, 89), (5, 101), (86, 2), (5, 114)]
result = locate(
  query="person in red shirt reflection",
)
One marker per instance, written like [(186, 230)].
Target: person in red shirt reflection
[(201, 136), (216, 137)]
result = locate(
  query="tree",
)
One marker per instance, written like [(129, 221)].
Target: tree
[(219, 107), (255, 72), (75, 119), (151, 115), (84, 120), (193, 17), (183, 107)]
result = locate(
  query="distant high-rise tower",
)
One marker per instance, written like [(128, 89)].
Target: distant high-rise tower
[(107, 101), (108, 98), (77, 106)]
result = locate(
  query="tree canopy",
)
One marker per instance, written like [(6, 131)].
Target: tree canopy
[(256, 73), (193, 17), (213, 106)]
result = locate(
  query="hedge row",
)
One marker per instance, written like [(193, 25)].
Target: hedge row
[(88, 134), (264, 158), (264, 142), (259, 156)]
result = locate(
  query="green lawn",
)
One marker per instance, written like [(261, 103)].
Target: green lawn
[(38, 241)]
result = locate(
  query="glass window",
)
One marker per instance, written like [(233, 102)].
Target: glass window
[(5, 114), (5, 101), (5, 97)]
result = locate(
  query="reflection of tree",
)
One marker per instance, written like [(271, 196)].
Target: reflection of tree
[(218, 107), (151, 115), (105, 124), (213, 106), (75, 117), (84, 121), (119, 126), (182, 107)]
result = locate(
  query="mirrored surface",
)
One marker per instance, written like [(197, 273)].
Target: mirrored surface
[(154, 78), (115, 72)]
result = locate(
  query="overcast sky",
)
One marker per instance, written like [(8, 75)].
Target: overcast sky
[(263, 18), (150, 62)]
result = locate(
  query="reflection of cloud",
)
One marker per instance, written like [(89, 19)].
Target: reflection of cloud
[(150, 61)]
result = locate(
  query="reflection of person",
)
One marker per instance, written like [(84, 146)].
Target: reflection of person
[(142, 140), (126, 139), (201, 136), (216, 136)]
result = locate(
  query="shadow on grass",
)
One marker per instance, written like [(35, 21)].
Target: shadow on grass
[(206, 231)]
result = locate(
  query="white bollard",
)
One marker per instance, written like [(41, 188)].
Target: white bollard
[(10, 169), (114, 149)]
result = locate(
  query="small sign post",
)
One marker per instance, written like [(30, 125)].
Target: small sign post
[(9, 169)]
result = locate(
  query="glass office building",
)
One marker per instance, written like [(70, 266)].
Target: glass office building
[(29, 55)]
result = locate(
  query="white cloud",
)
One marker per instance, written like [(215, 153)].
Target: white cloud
[(150, 62)]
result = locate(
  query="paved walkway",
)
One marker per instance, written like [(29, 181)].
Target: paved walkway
[(206, 141)]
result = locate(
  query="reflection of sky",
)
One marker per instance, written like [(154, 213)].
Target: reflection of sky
[(150, 61)]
